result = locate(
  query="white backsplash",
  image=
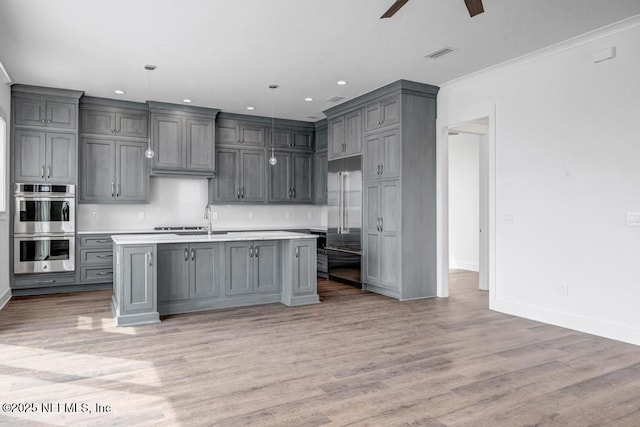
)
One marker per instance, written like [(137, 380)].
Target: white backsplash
[(181, 202)]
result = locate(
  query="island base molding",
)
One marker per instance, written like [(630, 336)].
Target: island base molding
[(132, 319)]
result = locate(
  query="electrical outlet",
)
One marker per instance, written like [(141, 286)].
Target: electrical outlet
[(251, 216), (309, 215), (140, 215), (633, 219), (95, 215), (287, 215), (509, 218), (214, 215)]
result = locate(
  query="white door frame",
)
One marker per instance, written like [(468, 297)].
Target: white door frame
[(442, 172)]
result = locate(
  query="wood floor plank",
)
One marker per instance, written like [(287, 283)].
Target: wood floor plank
[(355, 359)]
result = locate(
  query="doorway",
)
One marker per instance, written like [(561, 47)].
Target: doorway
[(471, 133)]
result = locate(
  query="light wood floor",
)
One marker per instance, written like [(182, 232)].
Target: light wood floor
[(355, 359)]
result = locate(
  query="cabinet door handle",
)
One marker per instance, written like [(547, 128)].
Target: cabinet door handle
[(43, 120), (293, 191), (297, 252), (118, 191), (186, 254), (381, 169), (237, 192), (251, 251), (193, 254), (49, 121), (113, 189), (255, 251), (242, 193), (49, 171), (381, 225), (150, 258), (42, 174)]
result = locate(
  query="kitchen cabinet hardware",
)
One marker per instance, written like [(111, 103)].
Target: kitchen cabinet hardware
[(193, 254), (186, 254), (297, 252), (251, 251), (103, 256), (113, 189), (150, 259), (104, 273), (45, 281), (102, 241)]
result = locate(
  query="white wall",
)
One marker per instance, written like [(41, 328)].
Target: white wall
[(567, 170), (5, 107), (464, 185), (181, 201)]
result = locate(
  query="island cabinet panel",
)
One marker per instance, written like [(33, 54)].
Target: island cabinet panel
[(299, 272), (188, 271), (252, 267), (139, 289)]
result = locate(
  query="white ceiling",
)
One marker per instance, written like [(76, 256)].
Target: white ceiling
[(224, 54)]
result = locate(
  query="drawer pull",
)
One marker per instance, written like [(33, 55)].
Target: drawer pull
[(104, 256), (104, 273), (102, 241), (45, 281)]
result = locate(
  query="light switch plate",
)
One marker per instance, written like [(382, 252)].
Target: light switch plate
[(633, 219)]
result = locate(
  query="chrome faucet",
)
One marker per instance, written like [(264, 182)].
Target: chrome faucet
[(207, 216)]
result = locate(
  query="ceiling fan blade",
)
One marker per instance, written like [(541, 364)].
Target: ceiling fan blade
[(394, 8), (474, 7)]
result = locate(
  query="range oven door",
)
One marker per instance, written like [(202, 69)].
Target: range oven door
[(43, 254), (44, 215)]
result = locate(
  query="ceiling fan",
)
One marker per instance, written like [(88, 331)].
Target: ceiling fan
[(473, 6)]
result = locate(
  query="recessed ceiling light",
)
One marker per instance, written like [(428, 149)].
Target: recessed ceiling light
[(341, 82), (119, 92), (251, 108), (188, 101), (308, 99)]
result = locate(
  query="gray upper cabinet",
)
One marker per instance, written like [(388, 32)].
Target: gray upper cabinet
[(113, 171), (122, 124), (290, 180), (382, 113), (293, 139), (45, 113), (234, 133), (345, 135), (382, 155), (239, 176), (321, 137), (183, 139), (44, 157), (320, 177)]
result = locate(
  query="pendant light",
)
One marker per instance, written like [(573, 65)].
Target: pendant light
[(149, 153), (273, 160)]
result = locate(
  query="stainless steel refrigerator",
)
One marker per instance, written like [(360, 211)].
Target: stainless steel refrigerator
[(344, 218)]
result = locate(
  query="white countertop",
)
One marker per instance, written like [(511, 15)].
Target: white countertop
[(145, 239), (215, 230)]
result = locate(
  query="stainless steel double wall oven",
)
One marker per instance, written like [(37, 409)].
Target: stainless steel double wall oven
[(44, 228)]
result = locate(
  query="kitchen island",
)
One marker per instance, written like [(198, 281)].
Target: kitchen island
[(159, 274)]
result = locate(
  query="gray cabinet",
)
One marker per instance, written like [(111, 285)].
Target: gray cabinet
[(381, 236), (44, 157), (113, 171), (292, 138), (189, 271), (320, 177), (321, 137), (382, 155), (95, 258), (234, 133), (239, 176), (345, 135), (125, 124), (134, 298), (399, 190), (40, 112), (290, 180), (299, 274), (183, 140), (252, 267), (382, 113)]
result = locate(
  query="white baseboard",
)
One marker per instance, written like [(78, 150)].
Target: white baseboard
[(4, 298), (463, 265), (611, 330)]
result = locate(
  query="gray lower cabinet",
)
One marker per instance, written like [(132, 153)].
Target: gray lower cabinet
[(183, 139), (321, 170), (239, 176), (39, 112), (189, 271), (134, 299), (299, 275), (113, 171), (252, 267), (290, 180), (94, 259), (44, 157), (382, 235)]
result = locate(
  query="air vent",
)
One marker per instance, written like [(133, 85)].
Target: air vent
[(438, 53), (336, 98)]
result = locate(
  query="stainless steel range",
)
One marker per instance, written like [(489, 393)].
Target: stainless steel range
[(44, 228)]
